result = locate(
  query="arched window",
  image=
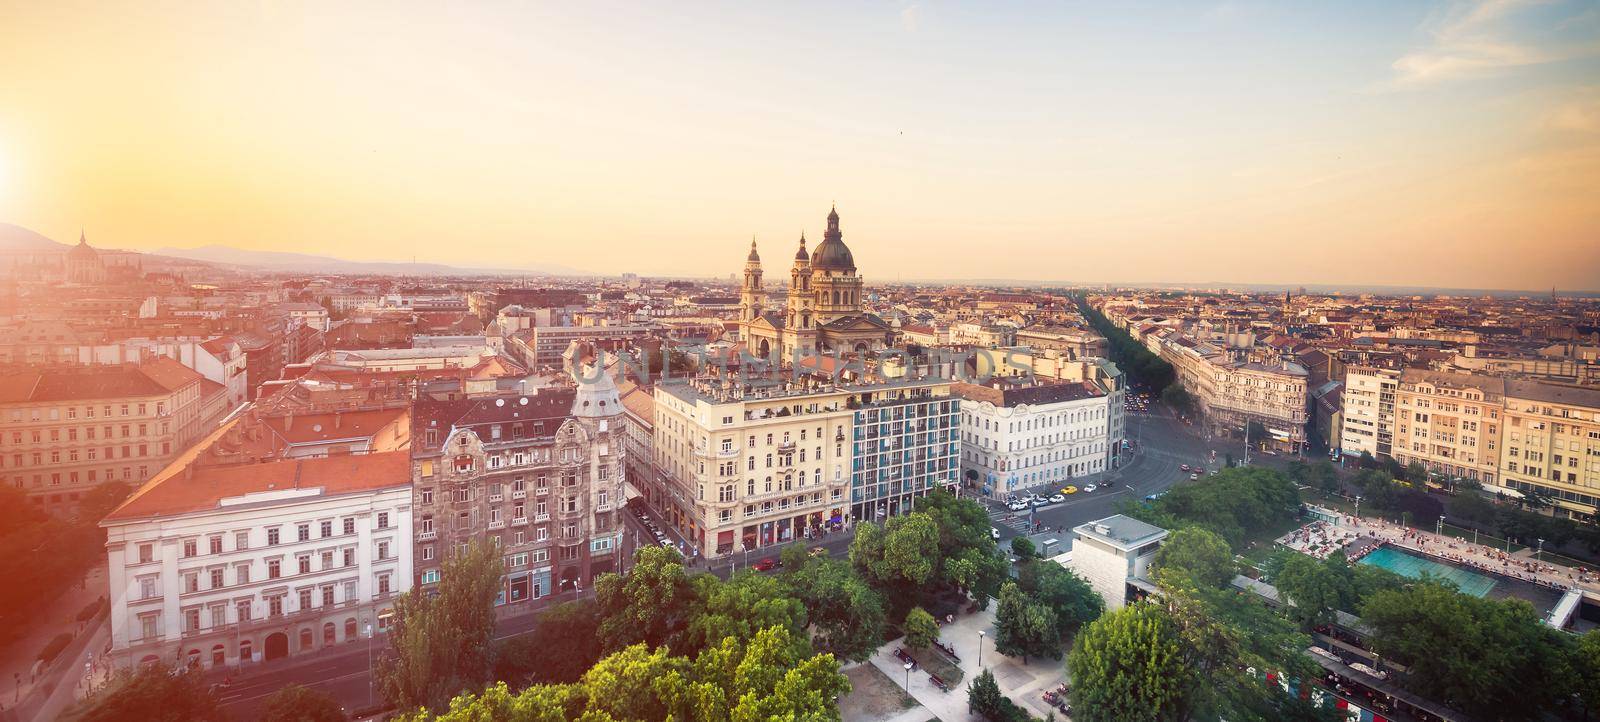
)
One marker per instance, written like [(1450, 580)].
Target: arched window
[(246, 654), (328, 633), (350, 629), (305, 639)]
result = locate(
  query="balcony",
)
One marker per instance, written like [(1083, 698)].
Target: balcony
[(427, 536), (520, 521), (519, 494), (497, 524), (541, 517)]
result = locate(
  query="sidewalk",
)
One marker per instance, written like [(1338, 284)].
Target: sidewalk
[(19, 685), (1021, 682)]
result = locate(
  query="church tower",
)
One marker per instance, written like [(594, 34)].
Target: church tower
[(836, 286), (797, 317), (751, 297)]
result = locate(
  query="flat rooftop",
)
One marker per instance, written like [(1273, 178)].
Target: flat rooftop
[(1124, 532)]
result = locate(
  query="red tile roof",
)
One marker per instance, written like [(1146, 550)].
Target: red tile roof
[(157, 377), (184, 487)]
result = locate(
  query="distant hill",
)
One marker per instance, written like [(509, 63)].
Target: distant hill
[(17, 238), (309, 263)]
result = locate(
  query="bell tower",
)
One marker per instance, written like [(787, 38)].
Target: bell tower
[(797, 316), (751, 297)]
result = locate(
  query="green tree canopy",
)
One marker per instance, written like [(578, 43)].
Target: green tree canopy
[(1233, 503), (1198, 554), (736, 680), (847, 616), (920, 628), (295, 703), (1315, 588), (154, 693), (1068, 596), (653, 604), (1474, 654), (1129, 666), (441, 643), (1024, 628)]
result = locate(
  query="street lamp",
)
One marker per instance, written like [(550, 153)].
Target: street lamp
[(908, 676), (981, 635), (1539, 555), (1438, 529), (1358, 506), (370, 677)]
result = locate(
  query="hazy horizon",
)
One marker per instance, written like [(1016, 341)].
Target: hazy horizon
[(1443, 145)]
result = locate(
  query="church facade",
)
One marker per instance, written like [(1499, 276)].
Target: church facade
[(822, 312)]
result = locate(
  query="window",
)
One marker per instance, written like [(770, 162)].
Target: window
[(303, 532), (148, 587), (349, 557), (215, 544), (216, 578), (272, 536), (147, 553), (241, 540), (427, 551), (304, 598), (349, 525), (191, 619), (189, 548), (241, 573), (327, 560), (430, 576), (148, 627), (427, 498), (383, 520), (326, 528), (303, 563), (191, 582), (241, 608), (274, 569), (327, 596), (383, 548), (383, 584)]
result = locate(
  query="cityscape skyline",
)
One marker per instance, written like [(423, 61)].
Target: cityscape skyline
[(1449, 146)]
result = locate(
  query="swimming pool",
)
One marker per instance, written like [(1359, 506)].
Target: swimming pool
[(1406, 564)]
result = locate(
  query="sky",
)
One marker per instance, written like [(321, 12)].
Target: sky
[(1452, 144)]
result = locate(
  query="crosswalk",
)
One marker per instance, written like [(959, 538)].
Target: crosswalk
[(1016, 521)]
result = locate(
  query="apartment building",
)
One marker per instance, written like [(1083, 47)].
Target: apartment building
[(1016, 436), (766, 462), (541, 475), (1552, 444), (65, 430), (1369, 411), (1232, 394), (229, 564), (1449, 423)]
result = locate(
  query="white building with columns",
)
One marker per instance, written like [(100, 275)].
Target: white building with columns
[(229, 564)]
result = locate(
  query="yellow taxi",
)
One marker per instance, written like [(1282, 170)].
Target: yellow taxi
[(1069, 490)]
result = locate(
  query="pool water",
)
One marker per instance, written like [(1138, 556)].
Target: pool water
[(1410, 565)]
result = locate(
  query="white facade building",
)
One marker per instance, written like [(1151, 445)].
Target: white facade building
[(223, 565), (1019, 437), (1113, 554), (1369, 397)]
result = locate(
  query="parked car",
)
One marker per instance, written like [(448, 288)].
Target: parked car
[(766, 565), (1089, 488), (1018, 506), (1057, 499), (1194, 477), (1183, 467), (994, 533)]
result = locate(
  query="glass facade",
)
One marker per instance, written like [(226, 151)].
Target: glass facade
[(900, 450)]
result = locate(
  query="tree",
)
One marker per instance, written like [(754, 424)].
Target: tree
[(155, 693), (1023, 628), (1232, 503), (983, 695), (756, 679), (653, 604), (1022, 548), (1416, 473), (1129, 666), (921, 631), (298, 704), (571, 627), (101, 500), (1061, 591), (441, 643), (1177, 397), (1200, 554), (745, 604), (1586, 665), (1315, 588), (847, 616), (1324, 477), (1468, 652), (897, 559)]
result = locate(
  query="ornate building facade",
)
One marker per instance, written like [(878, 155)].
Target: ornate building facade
[(822, 312)]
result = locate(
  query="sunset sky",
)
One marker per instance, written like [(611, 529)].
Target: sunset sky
[(1384, 142)]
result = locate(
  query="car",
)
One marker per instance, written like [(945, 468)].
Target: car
[(994, 533), (1069, 490), (1194, 477), (1183, 467), (1018, 506), (819, 552), (1089, 488), (666, 543), (766, 565), (1057, 498), (1039, 501)]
